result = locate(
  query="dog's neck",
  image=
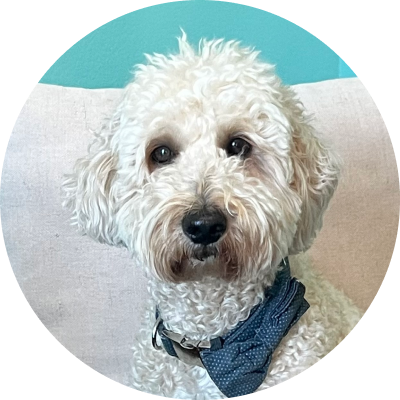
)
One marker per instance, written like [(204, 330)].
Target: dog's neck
[(208, 306)]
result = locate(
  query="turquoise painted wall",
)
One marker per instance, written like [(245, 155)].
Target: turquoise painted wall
[(105, 58)]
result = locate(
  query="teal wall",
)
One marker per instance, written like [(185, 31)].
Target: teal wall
[(105, 57)]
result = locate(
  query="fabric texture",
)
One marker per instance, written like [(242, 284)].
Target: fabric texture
[(241, 364), (91, 296)]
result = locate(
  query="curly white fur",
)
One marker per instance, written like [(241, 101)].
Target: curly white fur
[(273, 200)]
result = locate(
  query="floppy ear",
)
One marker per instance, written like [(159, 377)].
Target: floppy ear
[(88, 190), (315, 177)]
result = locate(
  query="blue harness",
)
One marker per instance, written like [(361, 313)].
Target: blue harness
[(238, 362)]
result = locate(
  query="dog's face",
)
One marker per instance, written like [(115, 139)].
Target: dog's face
[(207, 165)]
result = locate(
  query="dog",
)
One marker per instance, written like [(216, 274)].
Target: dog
[(210, 173)]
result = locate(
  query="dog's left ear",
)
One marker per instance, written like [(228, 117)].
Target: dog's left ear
[(87, 192), (315, 178)]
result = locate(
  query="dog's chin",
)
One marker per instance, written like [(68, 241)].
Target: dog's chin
[(202, 253), (196, 264), (202, 262)]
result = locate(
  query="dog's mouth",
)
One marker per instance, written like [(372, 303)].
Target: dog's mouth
[(196, 262), (201, 253)]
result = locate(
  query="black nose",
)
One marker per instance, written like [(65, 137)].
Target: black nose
[(204, 226)]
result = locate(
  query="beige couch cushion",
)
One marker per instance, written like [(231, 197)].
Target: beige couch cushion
[(356, 244), (90, 296)]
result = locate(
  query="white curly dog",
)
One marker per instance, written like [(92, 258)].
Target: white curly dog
[(210, 174)]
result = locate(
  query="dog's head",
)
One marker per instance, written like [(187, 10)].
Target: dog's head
[(208, 160)]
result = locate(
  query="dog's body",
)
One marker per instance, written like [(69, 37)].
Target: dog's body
[(210, 174)]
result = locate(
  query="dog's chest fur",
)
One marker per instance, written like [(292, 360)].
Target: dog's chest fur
[(210, 307)]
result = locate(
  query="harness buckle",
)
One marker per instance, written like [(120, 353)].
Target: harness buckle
[(186, 343)]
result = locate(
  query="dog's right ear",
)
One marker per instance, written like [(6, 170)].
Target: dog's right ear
[(88, 190)]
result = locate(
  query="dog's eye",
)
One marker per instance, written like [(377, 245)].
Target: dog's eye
[(238, 147), (162, 155)]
